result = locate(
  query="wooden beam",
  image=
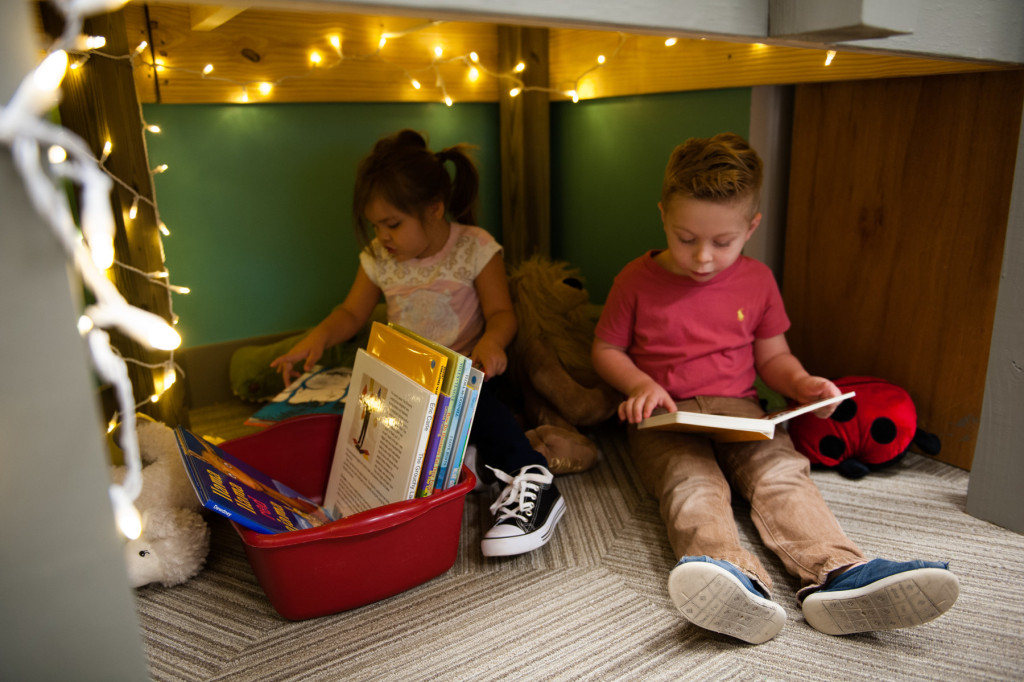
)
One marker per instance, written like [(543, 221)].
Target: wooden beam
[(207, 18), (100, 104), (525, 145)]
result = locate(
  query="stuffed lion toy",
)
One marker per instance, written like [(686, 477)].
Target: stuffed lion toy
[(550, 363)]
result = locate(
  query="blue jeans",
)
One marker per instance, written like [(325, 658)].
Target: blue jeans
[(498, 437), (691, 476)]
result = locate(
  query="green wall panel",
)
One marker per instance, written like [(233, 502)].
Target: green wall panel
[(608, 159), (258, 200)]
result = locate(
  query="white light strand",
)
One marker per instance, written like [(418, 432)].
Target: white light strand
[(318, 63), (24, 129)]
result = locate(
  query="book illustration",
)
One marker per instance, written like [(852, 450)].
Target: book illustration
[(323, 390), (732, 429), (379, 454), (242, 493)]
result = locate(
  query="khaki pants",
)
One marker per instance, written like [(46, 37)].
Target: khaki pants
[(691, 476)]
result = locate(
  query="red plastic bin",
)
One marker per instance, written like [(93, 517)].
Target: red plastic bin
[(353, 561)]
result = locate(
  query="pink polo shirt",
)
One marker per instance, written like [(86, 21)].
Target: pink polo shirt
[(694, 338)]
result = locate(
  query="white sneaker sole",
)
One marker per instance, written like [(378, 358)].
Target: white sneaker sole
[(902, 600), (712, 598), (521, 544)]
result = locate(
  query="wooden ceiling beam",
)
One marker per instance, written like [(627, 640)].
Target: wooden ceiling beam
[(209, 17)]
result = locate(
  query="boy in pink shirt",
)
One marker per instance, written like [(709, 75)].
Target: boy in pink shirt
[(689, 327)]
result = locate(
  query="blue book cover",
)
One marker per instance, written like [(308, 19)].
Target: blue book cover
[(473, 388), (230, 487)]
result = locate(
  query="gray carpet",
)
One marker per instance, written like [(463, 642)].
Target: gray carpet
[(592, 604)]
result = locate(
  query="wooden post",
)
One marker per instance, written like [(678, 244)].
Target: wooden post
[(525, 145), (100, 104)]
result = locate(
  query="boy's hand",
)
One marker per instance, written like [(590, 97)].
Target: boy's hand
[(643, 400), (489, 357), (811, 388)]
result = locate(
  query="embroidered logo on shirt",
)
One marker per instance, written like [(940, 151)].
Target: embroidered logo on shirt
[(739, 314)]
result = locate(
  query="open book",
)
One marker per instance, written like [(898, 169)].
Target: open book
[(732, 429)]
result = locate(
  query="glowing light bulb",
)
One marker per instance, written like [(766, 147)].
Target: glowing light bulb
[(416, 84), (160, 169), (95, 42), (520, 67), (575, 96), (159, 64), (208, 69), (108, 147), (382, 43), (265, 88), (669, 42), (315, 58), (56, 154), (474, 57), (163, 229), (447, 100), (336, 43), (474, 74), (829, 56), (141, 48), (438, 51), (134, 210), (514, 92), (50, 72), (153, 128), (600, 59)]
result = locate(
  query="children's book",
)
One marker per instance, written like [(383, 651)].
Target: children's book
[(415, 360), (382, 438), (320, 391), (453, 387), (230, 487), (732, 429), (464, 426)]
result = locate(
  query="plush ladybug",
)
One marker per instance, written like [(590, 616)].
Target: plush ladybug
[(870, 430)]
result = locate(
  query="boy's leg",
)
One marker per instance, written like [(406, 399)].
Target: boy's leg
[(694, 496), (787, 508), (717, 584), (529, 505), (842, 592)]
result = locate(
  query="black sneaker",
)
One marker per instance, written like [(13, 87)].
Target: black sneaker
[(526, 512)]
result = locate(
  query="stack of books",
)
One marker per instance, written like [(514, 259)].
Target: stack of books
[(404, 431), (406, 424)]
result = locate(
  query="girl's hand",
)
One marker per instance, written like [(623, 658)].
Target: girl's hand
[(308, 350), (811, 388), (489, 357), (643, 400)]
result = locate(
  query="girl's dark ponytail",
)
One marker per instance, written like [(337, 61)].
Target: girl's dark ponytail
[(465, 184)]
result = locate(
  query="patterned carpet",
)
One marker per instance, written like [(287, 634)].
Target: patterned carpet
[(593, 604)]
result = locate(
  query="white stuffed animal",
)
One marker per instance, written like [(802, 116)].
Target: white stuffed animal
[(175, 539)]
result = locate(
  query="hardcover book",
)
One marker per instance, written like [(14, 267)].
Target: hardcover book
[(242, 493), (732, 429), (382, 438)]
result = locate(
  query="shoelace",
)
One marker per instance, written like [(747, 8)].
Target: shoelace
[(517, 498)]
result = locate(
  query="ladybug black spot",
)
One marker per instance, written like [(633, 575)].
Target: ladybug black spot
[(846, 411), (883, 430), (832, 447)]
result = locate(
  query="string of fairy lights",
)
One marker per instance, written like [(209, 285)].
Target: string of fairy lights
[(47, 156)]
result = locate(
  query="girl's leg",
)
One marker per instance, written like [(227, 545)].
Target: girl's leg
[(499, 439)]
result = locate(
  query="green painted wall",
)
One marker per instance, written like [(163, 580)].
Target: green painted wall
[(608, 159), (258, 197)]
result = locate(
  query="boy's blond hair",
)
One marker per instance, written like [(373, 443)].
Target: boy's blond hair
[(723, 169)]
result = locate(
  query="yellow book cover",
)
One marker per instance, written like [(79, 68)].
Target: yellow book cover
[(424, 365)]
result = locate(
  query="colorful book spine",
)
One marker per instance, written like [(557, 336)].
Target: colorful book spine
[(432, 458), (473, 387), (459, 397)]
